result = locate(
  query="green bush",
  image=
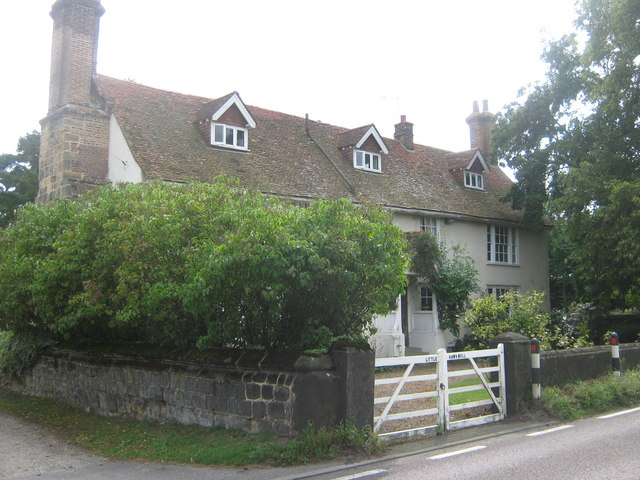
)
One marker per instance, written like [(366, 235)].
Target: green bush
[(19, 351), (199, 264), (511, 312)]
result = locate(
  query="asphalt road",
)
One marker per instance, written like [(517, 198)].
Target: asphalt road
[(588, 449), (595, 448)]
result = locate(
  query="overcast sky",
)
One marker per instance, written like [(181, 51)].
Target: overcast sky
[(344, 62)]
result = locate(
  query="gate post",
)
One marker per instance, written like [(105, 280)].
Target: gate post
[(355, 367), (443, 391), (517, 368)]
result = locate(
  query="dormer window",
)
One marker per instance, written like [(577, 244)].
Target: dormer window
[(225, 122), (367, 160), (366, 146), (229, 136), (473, 180)]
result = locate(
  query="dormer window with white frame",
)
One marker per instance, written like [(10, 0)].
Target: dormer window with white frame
[(474, 180), (367, 161), (230, 124), (229, 136), (367, 146)]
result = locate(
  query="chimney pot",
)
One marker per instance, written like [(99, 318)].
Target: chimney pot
[(480, 129), (403, 118)]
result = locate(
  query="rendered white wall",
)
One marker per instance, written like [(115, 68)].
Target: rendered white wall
[(122, 166)]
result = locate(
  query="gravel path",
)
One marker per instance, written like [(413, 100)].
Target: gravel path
[(26, 449)]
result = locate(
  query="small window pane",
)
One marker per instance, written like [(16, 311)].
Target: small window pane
[(367, 160), (240, 138), (359, 161), (229, 136), (219, 134), (376, 162)]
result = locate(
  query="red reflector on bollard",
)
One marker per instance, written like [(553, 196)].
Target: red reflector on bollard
[(535, 346), (614, 339)]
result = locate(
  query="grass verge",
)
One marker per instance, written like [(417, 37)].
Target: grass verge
[(579, 399), (124, 438)]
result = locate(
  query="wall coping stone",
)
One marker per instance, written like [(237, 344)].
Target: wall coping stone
[(226, 359)]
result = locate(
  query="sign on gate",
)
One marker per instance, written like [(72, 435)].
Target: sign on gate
[(433, 387)]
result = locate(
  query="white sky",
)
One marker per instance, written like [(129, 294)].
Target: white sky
[(344, 62)]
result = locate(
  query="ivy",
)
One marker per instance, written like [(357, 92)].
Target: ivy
[(450, 274)]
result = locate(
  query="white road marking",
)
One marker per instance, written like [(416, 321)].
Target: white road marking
[(624, 412), (551, 430), (457, 452), (370, 473)]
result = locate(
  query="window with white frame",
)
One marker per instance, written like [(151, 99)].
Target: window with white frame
[(473, 180), (430, 224), (497, 291), (367, 161), (229, 136), (426, 298), (502, 245)]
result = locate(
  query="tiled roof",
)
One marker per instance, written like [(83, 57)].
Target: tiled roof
[(161, 129)]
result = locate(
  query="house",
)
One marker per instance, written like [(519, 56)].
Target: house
[(102, 130)]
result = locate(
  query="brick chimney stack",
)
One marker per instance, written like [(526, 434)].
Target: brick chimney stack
[(404, 133), (75, 133), (480, 128), (74, 51)]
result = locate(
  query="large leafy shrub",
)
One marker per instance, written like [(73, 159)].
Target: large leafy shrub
[(205, 264), (510, 312)]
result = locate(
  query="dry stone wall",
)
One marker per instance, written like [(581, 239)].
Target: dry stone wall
[(251, 391)]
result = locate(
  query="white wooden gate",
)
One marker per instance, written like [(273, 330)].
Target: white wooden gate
[(428, 393)]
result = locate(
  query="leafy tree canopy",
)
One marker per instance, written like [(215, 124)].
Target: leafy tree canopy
[(19, 177), (574, 142), (199, 264)]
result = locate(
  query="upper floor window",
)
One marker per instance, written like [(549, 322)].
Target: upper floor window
[(229, 136), (430, 224), (502, 245), (473, 180), (367, 161)]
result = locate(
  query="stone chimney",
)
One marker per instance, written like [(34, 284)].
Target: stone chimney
[(480, 128), (75, 133), (404, 133)]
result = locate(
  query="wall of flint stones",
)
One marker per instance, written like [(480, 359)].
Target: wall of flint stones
[(250, 391)]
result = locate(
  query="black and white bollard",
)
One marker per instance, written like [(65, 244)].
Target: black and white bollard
[(536, 388), (615, 354)]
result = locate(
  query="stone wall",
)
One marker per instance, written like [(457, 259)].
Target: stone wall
[(561, 366), (250, 391)]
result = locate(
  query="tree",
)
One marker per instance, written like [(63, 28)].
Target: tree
[(574, 142), (19, 177)]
